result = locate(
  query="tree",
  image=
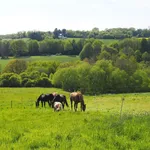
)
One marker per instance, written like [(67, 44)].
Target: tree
[(4, 48), (87, 51), (19, 48), (128, 51), (128, 64), (67, 47), (118, 81), (64, 32), (35, 35), (138, 55), (56, 33), (83, 71), (33, 47), (9, 79), (43, 82), (104, 55), (96, 45), (58, 77), (141, 81), (146, 56), (144, 45), (70, 81), (16, 66), (96, 80), (15, 81)]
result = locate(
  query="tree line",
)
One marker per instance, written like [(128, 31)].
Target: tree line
[(121, 66), (91, 49), (113, 33), (103, 76)]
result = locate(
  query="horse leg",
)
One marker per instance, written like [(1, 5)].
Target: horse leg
[(49, 103), (75, 106), (63, 105), (44, 104), (81, 107), (71, 103)]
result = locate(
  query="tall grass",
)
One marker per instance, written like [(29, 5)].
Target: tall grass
[(99, 128), (45, 129)]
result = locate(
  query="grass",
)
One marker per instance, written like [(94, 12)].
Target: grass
[(108, 41), (62, 58), (25, 127)]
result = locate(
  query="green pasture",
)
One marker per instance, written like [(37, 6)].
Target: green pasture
[(22, 126), (108, 41), (3, 63), (105, 41), (61, 58), (133, 103)]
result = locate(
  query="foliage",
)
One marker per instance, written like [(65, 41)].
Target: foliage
[(19, 48), (43, 82), (10, 80), (16, 66), (86, 52), (33, 47)]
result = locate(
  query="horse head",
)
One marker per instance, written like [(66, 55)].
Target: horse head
[(83, 107)]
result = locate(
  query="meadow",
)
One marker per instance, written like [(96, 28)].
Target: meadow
[(22, 126), (61, 58)]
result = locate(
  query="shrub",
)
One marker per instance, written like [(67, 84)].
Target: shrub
[(30, 83), (15, 81), (43, 82)]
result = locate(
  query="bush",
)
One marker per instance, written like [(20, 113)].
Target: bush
[(10, 80), (15, 81), (30, 83), (43, 82), (16, 66)]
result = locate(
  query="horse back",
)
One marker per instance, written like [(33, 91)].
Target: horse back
[(76, 96)]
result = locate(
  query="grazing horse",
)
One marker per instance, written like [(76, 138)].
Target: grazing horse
[(60, 98), (57, 106), (77, 97), (45, 98)]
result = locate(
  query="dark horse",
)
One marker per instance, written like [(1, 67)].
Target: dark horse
[(45, 98), (60, 98), (77, 97)]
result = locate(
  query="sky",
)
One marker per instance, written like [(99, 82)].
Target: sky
[(46, 15)]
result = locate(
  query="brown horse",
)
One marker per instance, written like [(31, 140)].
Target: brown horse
[(77, 97)]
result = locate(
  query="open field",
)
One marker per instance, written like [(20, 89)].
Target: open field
[(25, 127), (134, 103), (62, 58), (105, 41)]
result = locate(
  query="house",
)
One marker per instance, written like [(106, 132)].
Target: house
[(61, 36)]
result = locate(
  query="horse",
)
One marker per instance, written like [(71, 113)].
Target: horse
[(77, 97), (60, 98), (45, 98), (57, 106)]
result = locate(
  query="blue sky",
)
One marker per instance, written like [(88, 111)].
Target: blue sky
[(46, 15)]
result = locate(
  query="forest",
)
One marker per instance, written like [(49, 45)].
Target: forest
[(112, 33), (121, 66)]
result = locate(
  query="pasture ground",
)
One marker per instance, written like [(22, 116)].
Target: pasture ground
[(25, 127), (61, 58)]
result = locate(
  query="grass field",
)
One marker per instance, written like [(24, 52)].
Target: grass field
[(108, 41), (62, 58), (99, 128)]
